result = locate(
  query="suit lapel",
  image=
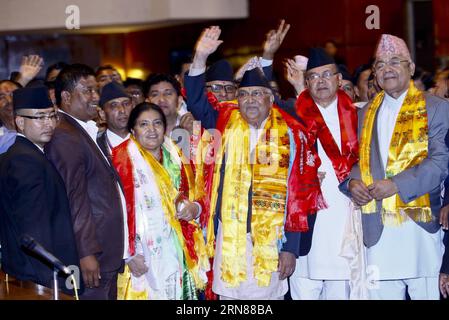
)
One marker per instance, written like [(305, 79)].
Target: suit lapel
[(376, 160), (103, 144), (29, 145), (91, 143)]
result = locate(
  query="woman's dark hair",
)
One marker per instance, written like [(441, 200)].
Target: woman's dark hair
[(141, 108)]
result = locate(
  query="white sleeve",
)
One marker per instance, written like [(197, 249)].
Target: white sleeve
[(196, 71), (265, 62)]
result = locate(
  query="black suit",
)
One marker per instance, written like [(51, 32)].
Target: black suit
[(33, 201), (445, 262)]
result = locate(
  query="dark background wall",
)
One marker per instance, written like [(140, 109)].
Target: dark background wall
[(312, 23)]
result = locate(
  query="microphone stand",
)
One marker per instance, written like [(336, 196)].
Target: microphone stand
[(55, 284)]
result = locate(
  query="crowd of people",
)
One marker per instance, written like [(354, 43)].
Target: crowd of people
[(209, 185)]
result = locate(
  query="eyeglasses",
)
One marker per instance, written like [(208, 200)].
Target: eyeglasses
[(325, 75), (42, 118), (228, 88), (394, 63), (256, 94)]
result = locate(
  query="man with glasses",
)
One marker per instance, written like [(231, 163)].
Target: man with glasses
[(116, 105), (403, 160), (33, 200), (246, 180), (331, 119), (7, 126), (96, 201), (213, 87), (347, 81), (220, 82)]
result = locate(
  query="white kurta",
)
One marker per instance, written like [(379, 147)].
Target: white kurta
[(323, 261), (405, 251)]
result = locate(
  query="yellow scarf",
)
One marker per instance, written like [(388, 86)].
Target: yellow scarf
[(168, 195), (268, 175), (408, 148)]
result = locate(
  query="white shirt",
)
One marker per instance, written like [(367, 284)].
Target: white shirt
[(115, 139), (386, 121), (330, 222), (330, 116), (254, 135), (360, 104), (92, 130)]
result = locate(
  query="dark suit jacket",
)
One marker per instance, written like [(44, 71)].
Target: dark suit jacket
[(103, 144), (445, 262), (33, 201), (92, 191), (201, 109)]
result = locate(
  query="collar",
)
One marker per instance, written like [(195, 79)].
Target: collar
[(262, 125), (390, 101), (115, 139), (90, 126), (332, 108), (23, 136)]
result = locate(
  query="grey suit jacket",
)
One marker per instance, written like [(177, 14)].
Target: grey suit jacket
[(416, 181)]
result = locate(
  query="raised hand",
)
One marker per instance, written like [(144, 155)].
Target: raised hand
[(206, 45), (274, 40), (29, 68), (294, 75)]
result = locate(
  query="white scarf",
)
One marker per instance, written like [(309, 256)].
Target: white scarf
[(157, 238)]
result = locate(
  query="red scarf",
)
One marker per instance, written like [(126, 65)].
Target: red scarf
[(124, 167), (342, 161), (304, 192)]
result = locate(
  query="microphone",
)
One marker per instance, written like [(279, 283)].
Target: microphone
[(32, 245)]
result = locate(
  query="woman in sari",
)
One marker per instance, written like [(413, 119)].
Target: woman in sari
[(168, 258)]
